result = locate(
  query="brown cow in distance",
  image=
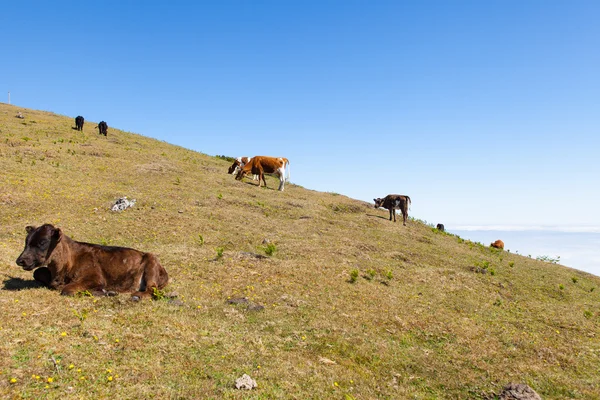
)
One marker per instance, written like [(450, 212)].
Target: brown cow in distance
[(393, 202), (261, 165), (72, 267), (499, 244)]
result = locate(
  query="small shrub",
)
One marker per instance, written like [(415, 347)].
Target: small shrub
[(587, 314), (511, 264), (158, 294), (220, 196), (177, 181), (492, 271), (370, 274), (574, 279), (200, 240), (220, 251), (353, 275), (389, 275), (561, 286), (498, 303), (270, 249)]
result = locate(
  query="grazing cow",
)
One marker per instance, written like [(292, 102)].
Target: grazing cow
[(261, 165), (393, 202), (102, 128), (499, 244), (239, 163), (70, 266), (79, 122), (440, 227)]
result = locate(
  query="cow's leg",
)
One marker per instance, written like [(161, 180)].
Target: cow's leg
[(391, 212), (93, 283), (154, 276), (281, 179), (261, 175), (405, 213)]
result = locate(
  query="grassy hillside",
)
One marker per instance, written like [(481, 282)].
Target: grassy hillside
[(429, 315)]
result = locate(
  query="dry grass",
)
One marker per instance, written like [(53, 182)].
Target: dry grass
[(419, 322)]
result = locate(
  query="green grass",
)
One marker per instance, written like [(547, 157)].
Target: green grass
[(436, 330)]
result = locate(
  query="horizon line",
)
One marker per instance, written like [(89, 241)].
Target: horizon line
[(525, 228)]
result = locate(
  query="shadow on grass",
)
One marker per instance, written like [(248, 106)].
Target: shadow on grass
[(377, 216), (15, 284)]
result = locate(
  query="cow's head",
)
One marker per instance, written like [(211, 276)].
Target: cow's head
[(39, 244), (233, 167), (378, 202), (241, 173)]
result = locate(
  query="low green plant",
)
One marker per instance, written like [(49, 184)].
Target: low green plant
[(370, 274), (200, 240), (220, 251), (587, 314), (511, 264), (353, 275), (220, 196), (574, 279), (270, 249), (389, 274), (158, 294), (561, 286)]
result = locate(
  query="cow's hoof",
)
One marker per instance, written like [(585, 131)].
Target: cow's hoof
[(111, 293), (135, 298)]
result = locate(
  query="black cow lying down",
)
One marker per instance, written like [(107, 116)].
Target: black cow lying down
[(71, 267), (393, 202)]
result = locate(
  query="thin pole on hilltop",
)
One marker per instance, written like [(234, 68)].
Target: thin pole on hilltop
[(9, 97)]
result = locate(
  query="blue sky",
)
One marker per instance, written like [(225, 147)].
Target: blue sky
[(484, 112)]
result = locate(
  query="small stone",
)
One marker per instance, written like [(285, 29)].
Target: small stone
[(176, 302), (172, 295), (255, 307), (518, 391), (135, 298), (180, 211), (245, 382), (266, 241)]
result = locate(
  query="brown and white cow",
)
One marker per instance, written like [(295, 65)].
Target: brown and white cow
[(393, 202), (261, 165), (71, 267), (499, 244)]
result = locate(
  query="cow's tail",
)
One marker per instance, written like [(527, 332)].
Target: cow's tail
[(408, 201), (287, 172)]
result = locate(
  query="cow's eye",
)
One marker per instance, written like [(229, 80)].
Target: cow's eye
[(44, 243)]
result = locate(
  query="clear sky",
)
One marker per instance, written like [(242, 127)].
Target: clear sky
[(483, 112)]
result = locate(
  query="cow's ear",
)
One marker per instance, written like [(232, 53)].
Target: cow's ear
[(57, 234), (30, 228)]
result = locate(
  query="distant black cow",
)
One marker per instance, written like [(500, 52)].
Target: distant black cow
[(393, 202), (79, 122), (102, 128), (440, 227)]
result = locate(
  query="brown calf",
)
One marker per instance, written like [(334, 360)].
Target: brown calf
[(261, 165), (74, 267), (499, 244), (393, 202)]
